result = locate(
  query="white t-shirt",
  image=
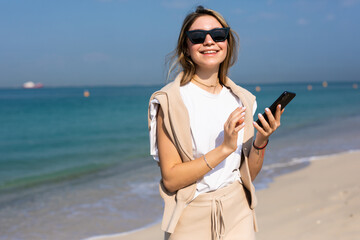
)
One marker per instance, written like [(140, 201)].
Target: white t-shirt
[(208, 113)]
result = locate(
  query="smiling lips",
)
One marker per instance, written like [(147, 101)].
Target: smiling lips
[(209, 52)]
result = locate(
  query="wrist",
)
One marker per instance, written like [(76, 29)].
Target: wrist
[(226, 151), (260, 147), (260, 141)]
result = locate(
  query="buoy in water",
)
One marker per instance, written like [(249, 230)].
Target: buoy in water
[(324, 84), (309, 87), (258, 88), (86, 93), (355, 86)]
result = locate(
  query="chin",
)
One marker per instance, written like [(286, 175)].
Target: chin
[(210, 65)]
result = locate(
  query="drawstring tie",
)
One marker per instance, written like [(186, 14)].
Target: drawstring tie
[(217, 220)]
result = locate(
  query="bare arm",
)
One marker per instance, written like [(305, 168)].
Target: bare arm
[(175, 173), (256, 157)]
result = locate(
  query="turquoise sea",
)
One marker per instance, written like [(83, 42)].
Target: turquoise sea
[(73, 167)]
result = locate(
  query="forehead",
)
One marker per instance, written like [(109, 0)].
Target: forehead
[(205, 23)]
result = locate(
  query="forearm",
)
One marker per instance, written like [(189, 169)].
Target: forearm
[(256, 157), (183, 174), (177, 174)]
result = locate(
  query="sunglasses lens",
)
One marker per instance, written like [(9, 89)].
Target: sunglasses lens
[(197, 37), (219, 35)]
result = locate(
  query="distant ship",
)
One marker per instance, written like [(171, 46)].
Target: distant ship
[(32, 85)]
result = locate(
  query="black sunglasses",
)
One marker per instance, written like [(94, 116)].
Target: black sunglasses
[(217, 34)]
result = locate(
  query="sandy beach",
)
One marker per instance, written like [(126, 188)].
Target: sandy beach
[(321, 201)]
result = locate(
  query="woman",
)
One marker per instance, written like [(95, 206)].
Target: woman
[(201, 132)]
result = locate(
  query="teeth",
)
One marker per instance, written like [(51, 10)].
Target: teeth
[(210, 52)]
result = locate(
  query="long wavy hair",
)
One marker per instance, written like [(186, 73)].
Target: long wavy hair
[(180, 61)]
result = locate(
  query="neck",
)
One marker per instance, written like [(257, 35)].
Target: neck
[(207, 77), (208, 81)]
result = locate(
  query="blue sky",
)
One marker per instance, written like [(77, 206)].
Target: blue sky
[(124, 42)]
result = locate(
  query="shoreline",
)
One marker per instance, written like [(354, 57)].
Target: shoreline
[(265, 217)]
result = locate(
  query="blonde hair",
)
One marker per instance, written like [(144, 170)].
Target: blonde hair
[(180, 61)]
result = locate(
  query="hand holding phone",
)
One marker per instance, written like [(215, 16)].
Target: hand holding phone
[(283, 100)]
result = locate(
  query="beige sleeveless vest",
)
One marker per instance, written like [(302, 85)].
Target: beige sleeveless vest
[(177, 125)]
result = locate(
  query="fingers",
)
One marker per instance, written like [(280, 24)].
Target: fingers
[(235, 120), (239, 120), (273, 121), (240, 125), (232, 126), (259, 129), (265, 125), (278, 113), (237, 111)]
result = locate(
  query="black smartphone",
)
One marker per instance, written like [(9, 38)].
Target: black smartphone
[(284, 99)]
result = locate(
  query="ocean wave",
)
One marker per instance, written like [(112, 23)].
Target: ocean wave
[(297, 161), (116, 235), (51, 177)]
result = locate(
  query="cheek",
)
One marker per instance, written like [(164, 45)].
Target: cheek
[(224, 46), (191, 49)]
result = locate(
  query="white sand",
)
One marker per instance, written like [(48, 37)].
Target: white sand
[(321, 201)]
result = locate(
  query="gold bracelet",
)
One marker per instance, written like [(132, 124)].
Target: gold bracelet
[(207, 162)]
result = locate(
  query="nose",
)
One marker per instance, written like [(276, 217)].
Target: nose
[(208, 40)]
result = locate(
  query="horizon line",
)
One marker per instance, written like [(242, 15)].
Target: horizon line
[(163, 84)]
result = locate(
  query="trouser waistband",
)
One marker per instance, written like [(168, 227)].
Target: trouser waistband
[(215, 199), (225, 193)]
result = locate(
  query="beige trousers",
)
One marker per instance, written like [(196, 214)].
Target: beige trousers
[(220, 215)]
